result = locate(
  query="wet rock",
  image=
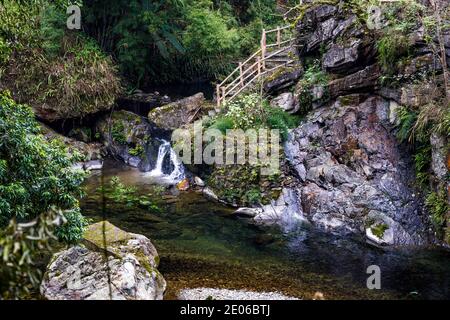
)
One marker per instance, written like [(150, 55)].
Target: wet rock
[(129, 137), (209, 193), (285, 211), (93, 165), (350, 164), (199, 182), (282, 81), (174, 115), (248, 212), (82, 272)]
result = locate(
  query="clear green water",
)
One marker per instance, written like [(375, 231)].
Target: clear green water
[(202, 245)]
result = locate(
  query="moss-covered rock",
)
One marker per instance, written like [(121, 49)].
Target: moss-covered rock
[(174, 115), (131, 274), (128, 137)]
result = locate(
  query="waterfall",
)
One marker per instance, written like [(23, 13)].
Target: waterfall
[(168, 167)]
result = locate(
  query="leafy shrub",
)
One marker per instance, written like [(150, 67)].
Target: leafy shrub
[(407, 120), (422, 161), (38, 187), (70, 77), (253, 196), (313, 76), (438, 205), (249, 111), (391, 47), (5, 51), (223, 124)]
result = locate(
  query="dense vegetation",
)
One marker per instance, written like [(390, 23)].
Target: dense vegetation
[(39, 194), (178, 40), (66, 73)]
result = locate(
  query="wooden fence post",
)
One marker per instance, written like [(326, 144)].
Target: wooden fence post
[(241, 70), (259, 66), (263, 48), (223, 94), (279, 37), (218, 95)]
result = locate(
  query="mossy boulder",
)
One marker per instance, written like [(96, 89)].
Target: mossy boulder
[(112, 264), (177, 114), (128, 137)]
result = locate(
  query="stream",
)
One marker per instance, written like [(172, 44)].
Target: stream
[(202, 244)]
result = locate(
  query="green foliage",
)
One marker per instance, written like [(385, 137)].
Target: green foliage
[(278, 119), (162, 41), (223, 124), (379, 229), (66, 71), (407, 119), (137, 151), (5, 51), (439, 208), (117, 132), (391, 48), (36, 180), (253, 196), (422, 161), (249, 111), (119, 193), (313, 76), (402, 17)]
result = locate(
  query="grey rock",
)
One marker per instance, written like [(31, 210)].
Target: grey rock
[(93, 165), (174, 115), (285, 101), (439, 156), (199, 182), (365, 80), (349, 164), (286, 211), (130, 138), (82, 273), (283, 81)]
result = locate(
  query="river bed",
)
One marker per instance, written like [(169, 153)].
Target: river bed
[(202, 244)]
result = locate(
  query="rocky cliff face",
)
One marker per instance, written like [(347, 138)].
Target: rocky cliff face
[(353, 174)]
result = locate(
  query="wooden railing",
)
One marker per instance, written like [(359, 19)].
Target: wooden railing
[(273, 43)]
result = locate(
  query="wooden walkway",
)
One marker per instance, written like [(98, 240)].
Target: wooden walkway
[(275, 52)]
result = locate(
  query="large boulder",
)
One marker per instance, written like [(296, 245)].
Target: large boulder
[(89, 151), (354, 174), (286, 101), (113, 264), (141, 103), (365, 80), (282, 80), (129, 137), (177, 114)]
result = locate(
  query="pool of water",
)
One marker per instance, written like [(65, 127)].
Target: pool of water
[(202, 244)]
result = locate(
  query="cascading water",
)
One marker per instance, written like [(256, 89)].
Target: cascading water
[(168, 167)]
